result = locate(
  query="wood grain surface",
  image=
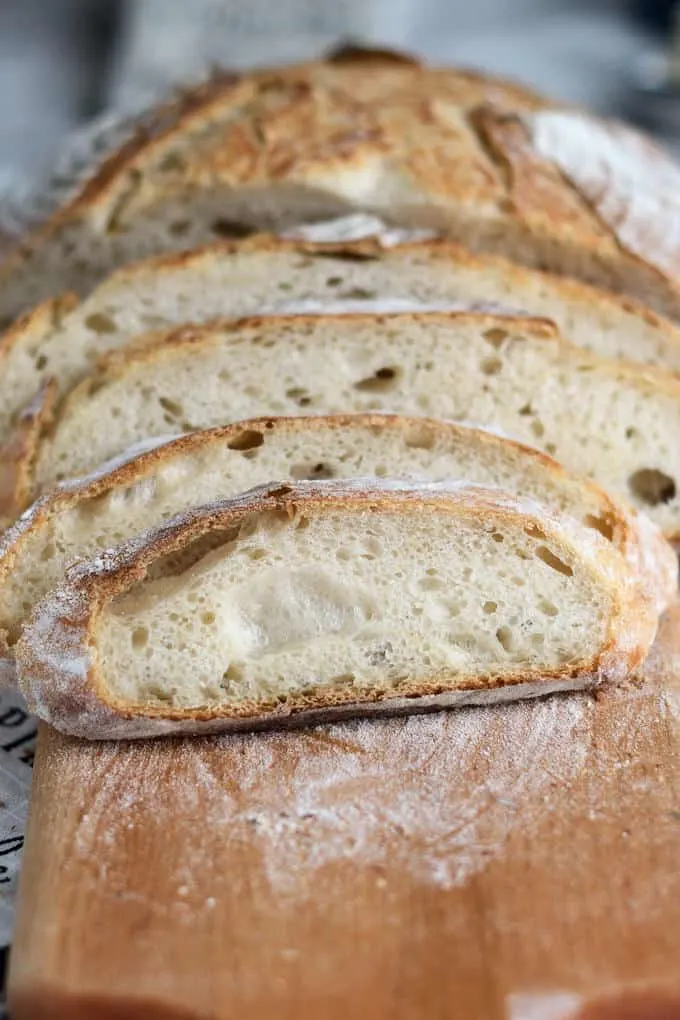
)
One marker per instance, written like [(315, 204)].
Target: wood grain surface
[(520, 862)]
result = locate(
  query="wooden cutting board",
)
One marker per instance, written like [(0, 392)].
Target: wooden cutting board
[(518, 862)]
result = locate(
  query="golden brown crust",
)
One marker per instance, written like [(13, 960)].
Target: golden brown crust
[(64, 682), (18, 454), (536, 189), (225, 96), (284, 124), (455, 147)]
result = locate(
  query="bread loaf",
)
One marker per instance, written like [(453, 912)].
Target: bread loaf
[(466, 155)]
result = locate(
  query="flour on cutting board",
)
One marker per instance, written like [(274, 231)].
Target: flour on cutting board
[(438, 794), (543, 1006)]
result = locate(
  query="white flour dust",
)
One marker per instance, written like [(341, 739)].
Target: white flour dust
[(437, 795)]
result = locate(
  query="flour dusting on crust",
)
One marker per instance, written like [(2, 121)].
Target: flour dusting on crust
[(356, 227), (632, 184)]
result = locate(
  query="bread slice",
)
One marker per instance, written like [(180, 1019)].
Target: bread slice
[(61, 340), (79, 520), (466, 155), (318, 599), (610, 421)]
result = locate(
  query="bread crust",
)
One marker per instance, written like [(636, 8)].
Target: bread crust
[(456, 148), (63, 682), (18, 454)]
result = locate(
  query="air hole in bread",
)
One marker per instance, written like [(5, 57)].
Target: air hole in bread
[(631, 432), (652, 486), (208, 618), (420, 438), (172, 162), (533, 531), (321, 470), (383, 379), (310, 472), (548, 608), (299, 395), (41, 362), (526, 410), (431, 584), (504, 638), (179, 228), (553, 561), (491, 366), (335, 281), (231, 228), (537, 428), (551, 449), (495, 336), (249, 439), (101, 323), (232, 674), (139, 638), (489, 608), (342, 679), (359, 294), (173, 409), (48, 552), (257, 554), (602, 523), (284, 285), (497, 537)]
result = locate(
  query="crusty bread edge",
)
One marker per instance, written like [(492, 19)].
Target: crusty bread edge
[(64, 686)]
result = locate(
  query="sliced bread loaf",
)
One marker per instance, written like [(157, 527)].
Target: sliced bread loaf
[(79, 520), (310, 600), (61, 340), (610, 421), (469, 156)]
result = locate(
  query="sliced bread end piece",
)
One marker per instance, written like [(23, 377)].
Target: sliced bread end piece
[(308, 601)]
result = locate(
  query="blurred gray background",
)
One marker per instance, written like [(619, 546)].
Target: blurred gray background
[(63, 61)]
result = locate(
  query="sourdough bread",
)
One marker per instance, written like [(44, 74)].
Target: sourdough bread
[(305, 601), (81, 519), (61, 340), (468, 156), (613, 422)]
